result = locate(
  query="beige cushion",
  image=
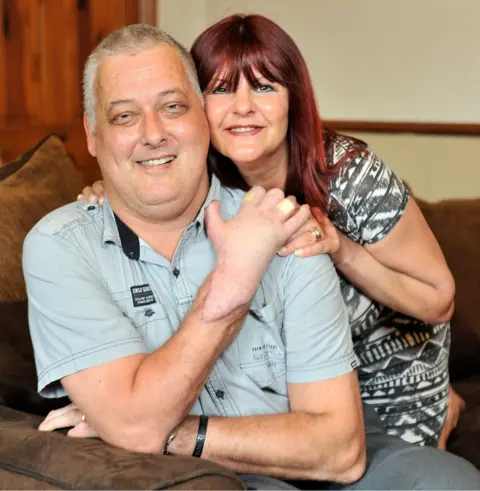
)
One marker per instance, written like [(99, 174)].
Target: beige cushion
[(39, 181)]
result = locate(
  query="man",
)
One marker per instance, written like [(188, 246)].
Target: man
[(147, 322)]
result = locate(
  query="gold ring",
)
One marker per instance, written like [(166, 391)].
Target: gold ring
[(316, 233), (83, 418)]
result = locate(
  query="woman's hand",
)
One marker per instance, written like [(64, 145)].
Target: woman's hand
[(94, 193), (65, 417), (313, 239)]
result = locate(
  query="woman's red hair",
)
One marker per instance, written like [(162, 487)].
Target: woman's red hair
[(241, 43)]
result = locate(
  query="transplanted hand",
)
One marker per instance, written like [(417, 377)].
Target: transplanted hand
[(246, 244)]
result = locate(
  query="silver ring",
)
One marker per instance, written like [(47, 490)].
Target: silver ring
[(316, 234)]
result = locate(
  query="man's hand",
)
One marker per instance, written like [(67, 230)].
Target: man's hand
[(246, 244)]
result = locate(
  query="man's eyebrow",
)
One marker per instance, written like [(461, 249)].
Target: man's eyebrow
[(160, 95)]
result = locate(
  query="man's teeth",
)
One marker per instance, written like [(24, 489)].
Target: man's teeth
[(154, 162), (243, 129)]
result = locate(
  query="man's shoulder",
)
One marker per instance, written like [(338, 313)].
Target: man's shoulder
[(71, 216), (230, 201)]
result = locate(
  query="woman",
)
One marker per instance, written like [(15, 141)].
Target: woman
[(266, 131)]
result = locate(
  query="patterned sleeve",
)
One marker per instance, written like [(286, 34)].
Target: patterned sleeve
[(367, 199)]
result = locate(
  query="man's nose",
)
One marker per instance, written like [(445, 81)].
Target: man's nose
[(153, 129), (243, 103)]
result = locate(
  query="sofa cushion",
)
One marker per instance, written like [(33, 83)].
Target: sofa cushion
[(39, 181), (45, 460), (456, 224)]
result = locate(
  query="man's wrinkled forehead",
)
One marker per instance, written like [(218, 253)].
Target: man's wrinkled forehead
[(124, 76)]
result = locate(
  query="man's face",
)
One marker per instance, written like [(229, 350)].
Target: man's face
[(151, 138)]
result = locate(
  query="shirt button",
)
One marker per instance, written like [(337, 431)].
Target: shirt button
[(91, 208), (220, 394), (149, 312), (176, 272)]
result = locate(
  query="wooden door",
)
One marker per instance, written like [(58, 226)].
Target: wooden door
[(43, 47)]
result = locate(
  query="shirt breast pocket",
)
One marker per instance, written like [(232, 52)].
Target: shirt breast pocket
[(260, 349), (151, 321)]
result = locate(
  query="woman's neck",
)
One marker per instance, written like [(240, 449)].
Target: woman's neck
[(268, 171)]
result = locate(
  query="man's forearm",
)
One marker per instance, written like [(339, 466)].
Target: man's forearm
[(166, 382), (291, 446), (394, 289)]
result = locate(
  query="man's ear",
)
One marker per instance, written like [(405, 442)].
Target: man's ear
[(91, 141)]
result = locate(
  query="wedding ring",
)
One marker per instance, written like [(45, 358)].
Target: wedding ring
[(316, 234), (83, 418)]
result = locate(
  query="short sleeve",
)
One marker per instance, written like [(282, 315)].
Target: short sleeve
[(316, 331), (367, 199), (74, 324)]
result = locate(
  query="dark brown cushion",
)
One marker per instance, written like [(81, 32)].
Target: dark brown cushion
[(456, 224), (43, 460), (39, 181)]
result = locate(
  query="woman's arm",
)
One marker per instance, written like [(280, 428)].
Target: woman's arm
[(405, 271)]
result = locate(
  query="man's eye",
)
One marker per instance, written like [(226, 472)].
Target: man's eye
[(219, 90), (265, 88), (175, 108), (123, 118)]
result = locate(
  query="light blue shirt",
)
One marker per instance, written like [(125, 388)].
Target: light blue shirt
[(97, 293)]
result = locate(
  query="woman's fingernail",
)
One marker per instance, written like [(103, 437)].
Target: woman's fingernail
[(299, 252), (101, 200), (283, 250), (79, 197), (92, 199)]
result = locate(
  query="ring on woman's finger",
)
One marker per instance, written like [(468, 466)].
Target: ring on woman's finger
[(316, 234), (83, 418)]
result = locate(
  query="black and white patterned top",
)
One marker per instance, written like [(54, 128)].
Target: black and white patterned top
[(403, 369)]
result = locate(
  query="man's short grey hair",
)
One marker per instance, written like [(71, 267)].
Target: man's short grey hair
[(127, 40)]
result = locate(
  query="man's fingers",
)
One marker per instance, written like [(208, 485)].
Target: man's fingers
[(297, 219), (255, 195)]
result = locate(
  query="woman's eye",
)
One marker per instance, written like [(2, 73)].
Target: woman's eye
[(219, 90), (265, 88)]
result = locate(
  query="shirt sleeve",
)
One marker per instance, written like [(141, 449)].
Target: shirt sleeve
[(74, 324), (316, 331), (367, 198)]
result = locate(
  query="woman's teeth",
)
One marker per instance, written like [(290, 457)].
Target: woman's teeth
[(154, 162), (243, 129)]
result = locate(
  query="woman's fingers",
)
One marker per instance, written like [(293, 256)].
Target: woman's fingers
[(82, 430), (61, 418)]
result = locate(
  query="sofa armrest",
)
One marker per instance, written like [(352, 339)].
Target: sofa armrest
[(58, 461)]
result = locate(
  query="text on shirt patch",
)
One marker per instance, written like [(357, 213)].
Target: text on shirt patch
[(142, 295)]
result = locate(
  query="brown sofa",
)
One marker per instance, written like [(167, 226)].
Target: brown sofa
[(45, 178)]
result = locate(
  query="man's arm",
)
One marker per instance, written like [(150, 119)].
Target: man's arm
[(322, 438), (135, 400)]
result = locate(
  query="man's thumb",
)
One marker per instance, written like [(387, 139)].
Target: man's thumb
[(213, 220)]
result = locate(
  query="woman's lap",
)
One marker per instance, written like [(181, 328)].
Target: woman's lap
[(403, 374)]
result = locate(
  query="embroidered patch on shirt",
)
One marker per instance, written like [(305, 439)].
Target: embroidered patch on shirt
[(142, 295)]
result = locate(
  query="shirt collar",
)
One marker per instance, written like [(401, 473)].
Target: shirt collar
[(117, 232)]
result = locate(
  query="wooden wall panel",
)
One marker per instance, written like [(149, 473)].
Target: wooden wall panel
[(60, 68), (3, 71)]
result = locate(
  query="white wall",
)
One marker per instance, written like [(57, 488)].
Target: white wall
[(402, 60)]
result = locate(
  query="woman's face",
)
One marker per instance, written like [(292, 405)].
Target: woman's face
[(250, 124)]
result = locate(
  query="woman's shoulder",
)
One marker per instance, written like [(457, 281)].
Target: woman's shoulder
[(342, 149)]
